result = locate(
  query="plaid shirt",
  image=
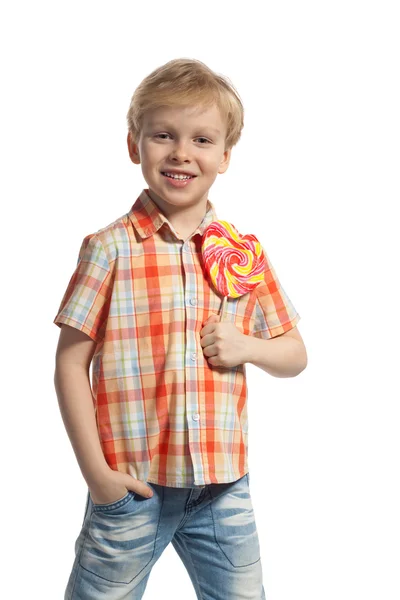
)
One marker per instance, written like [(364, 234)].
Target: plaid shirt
[(141, 293)]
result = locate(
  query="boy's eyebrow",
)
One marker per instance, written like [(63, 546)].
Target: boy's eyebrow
[(171, 125)]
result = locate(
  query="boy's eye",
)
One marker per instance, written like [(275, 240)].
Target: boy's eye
[(167, 134)]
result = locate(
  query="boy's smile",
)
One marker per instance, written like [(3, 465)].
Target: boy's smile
[(181, 140), (178, 178)]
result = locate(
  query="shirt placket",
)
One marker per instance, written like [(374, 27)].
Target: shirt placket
[(194, 418)]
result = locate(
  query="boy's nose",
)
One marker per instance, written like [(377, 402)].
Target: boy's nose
[(180, 151)]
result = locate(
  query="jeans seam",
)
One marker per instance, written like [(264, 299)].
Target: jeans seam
[(188, 510), (78, 564), (193, 567), (218, 544)]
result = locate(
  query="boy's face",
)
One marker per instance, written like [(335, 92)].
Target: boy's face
[(188, 140)]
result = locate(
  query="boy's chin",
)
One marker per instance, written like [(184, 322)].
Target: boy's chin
[(174, 197)]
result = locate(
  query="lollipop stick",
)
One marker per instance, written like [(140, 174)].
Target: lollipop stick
[(223, 308)]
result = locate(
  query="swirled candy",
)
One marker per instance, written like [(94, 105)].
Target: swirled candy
[(235, 263)]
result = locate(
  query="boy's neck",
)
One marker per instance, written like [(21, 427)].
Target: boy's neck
[(184, 219)]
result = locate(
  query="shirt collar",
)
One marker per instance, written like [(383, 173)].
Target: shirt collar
[(147, 218)]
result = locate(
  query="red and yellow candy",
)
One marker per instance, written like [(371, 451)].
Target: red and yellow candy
[(234, 262)]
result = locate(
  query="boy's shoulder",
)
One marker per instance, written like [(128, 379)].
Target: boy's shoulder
[(118, 224), (113, 236)]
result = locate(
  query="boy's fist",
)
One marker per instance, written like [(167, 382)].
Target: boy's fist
[(114, 485), (223, 344)]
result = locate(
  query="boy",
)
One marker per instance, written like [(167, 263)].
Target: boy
[(162, 441)]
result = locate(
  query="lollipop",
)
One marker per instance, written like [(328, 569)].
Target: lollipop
[(235, 263)]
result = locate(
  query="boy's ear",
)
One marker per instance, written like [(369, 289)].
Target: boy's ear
[(224, 164), (133, 149)]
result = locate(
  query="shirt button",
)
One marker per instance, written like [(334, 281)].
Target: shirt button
[(193, 356), (193, 301), (196, 417)]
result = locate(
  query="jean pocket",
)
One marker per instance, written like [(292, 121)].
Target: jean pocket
[(234, 524), (113, 506), (120, 539)]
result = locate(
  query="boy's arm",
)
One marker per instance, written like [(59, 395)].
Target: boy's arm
[(282, 356), (71, 379)]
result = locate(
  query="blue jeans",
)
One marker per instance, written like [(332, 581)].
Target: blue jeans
[(211, 527)]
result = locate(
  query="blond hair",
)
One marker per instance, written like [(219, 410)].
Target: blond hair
[(187, 82)]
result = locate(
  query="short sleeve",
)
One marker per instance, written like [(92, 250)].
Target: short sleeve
[(274, 312), (86, 301)]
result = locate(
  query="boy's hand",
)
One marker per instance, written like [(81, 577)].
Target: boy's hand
[(223, 344), (115, 485)]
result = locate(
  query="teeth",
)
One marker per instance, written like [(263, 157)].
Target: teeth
[(178, 176)]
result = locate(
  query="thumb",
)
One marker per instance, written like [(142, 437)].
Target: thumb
[(135, 485), (212, 317)]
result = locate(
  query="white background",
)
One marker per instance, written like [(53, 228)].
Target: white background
[(315, 176)]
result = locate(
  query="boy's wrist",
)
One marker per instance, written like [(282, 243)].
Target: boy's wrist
[(97, 479), (249, 350), (280, 356)]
